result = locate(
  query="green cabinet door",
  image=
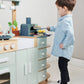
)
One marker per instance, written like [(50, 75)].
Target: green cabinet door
[(12, 74), (12, 66), (21, 66), (32, 66)]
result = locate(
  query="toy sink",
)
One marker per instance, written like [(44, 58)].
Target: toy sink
[(23, 43)]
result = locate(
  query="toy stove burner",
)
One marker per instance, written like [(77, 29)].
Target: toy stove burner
[(5, 37)]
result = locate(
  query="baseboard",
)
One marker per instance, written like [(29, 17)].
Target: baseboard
[(74, 61)]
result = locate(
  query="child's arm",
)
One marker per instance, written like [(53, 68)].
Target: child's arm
[(52, 28), (69, 39)]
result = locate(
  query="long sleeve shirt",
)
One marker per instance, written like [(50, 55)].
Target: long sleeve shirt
[(64, 34)]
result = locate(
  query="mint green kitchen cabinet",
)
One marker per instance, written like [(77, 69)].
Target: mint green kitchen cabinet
[(24, 65), (7, 65), (21, 66), (12, 74), (42, 75), (42, 53), (42, 64), (32, 65), (7, 59), (42, 42), (27, 66)]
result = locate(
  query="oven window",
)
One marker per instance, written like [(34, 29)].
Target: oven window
[(5, 78)]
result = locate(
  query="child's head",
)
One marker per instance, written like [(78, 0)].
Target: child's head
[(65, 6)]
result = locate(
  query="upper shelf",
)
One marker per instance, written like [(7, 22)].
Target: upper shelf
[(16, 1), (11, 0)]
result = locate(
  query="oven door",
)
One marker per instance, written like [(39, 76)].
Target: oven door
[(4, 75)]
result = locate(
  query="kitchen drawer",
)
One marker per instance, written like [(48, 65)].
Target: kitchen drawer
[(42, 75), (42, 64), (42, 42), (7, 59), (42, 53)]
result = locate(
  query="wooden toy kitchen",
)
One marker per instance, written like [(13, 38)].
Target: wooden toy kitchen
[(23, 53)]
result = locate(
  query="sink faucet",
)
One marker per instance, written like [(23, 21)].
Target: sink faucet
[(10, 30)]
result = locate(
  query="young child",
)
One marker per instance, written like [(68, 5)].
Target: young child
[(64, 37)]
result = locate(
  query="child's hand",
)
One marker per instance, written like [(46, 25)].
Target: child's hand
[(48, 28), (61, 46)]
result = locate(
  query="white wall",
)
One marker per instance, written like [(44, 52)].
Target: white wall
[(5, 15), (42, 12), (78, 17)]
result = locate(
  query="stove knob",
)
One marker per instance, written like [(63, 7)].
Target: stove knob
[(12, 46), (6, 47), (0, 48)]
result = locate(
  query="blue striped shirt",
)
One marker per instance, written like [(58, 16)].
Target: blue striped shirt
[(64, 34)]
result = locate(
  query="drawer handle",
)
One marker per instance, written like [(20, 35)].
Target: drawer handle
[(30, 67), (43, 76), (43, 42), (43, 53), (4, 71), (4, 60), (25, 69), (43, 64)]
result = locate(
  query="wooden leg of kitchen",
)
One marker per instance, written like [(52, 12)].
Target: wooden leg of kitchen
[(43, 82), (48, 76), (46, 80)]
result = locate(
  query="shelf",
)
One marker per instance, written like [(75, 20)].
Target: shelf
[(16, 1), (48, 65), (45, 47), (12, 0), (48, 55)]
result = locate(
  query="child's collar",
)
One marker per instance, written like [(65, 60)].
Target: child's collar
[(61, 18)]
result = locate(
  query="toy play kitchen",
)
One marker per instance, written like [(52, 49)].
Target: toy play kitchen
[(23, 53)]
